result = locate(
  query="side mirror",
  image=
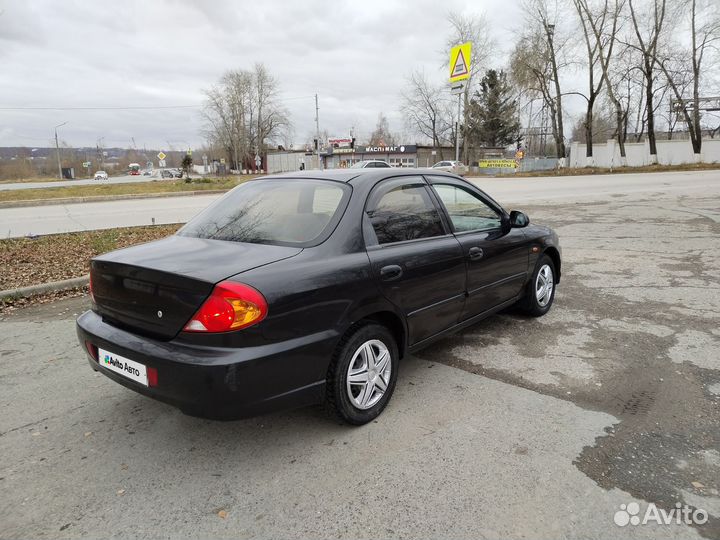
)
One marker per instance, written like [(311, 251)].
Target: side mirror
[(518, 219)]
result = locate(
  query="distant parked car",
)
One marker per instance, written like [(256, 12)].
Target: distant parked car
[(101, 175), (147, 173), (166, 173), (454, 167), (370, 163)]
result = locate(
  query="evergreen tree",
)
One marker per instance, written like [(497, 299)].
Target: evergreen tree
[(492, 118), (187, 164)]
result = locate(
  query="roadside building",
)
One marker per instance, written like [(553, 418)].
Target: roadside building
[(343, 156)]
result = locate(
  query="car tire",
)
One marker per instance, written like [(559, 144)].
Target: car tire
[(540, 290), (365, 360)]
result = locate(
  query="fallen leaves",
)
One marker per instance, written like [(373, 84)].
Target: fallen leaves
[(32, 261)]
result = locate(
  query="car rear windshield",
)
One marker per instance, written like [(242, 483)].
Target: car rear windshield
[(287, 212)]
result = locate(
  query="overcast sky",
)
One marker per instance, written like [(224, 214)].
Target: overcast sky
[(150, 53)]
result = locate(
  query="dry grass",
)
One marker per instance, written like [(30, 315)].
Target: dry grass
[(32, 261)]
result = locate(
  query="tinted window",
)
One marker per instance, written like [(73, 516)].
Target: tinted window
[(403, 212), (283, 212), (466, 210)]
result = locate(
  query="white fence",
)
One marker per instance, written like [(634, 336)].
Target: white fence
[(674, 152), (290, 161)]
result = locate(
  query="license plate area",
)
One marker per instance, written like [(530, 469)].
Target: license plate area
[(129, 369)]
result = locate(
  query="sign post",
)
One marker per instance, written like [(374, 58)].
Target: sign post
[(459, 73)]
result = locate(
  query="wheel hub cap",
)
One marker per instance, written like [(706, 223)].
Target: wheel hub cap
[(368, 374)]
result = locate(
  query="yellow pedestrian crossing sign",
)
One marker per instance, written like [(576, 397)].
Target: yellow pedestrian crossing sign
[(460, 62)]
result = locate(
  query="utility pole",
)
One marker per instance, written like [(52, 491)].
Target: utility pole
[(457, 130), (458, 89), (57, 150), (317, 131)]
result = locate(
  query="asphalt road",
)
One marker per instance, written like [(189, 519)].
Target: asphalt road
[(515, 427), (15, 222), (124, 179)]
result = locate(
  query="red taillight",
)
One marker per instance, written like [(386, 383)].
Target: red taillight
[(231, 306), (152, 376), (92, 350), (92, 298)]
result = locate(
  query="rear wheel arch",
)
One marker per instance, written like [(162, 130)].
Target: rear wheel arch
[(383, 316), (392, 322)]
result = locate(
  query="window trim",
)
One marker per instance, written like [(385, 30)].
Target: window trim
[(418, 180), (489, 202)]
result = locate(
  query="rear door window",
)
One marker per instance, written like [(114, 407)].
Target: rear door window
[(402, 209)]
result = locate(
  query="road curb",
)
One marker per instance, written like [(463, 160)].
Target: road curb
[(104, 198), (53, 286)]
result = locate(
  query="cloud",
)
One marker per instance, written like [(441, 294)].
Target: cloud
[(105, 53)]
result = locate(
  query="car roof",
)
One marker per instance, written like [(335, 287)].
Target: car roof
[(360, 175)]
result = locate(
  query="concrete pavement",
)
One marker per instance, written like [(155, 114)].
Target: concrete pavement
[(15, 222), (453, 456), (515, 427)]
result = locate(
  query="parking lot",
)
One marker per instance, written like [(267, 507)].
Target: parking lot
[(515, 427)]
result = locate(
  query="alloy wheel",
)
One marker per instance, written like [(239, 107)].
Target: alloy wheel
[(544, 284)]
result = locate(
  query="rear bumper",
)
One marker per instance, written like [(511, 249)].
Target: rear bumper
[(214, 382)]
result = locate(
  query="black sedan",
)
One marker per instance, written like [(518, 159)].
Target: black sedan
[(307, 288)]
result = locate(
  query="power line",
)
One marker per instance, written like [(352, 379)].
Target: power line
[(141, 108), (127, 108)]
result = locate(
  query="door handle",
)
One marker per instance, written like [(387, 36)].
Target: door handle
[(391, 272), (475, 253)]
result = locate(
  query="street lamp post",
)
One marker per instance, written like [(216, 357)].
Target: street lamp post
[(57, 150), (101, 151)]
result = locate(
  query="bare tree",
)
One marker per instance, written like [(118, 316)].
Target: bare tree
[(473, 29), (425, 108), (382, 136), (242, 112), (536, 62), (648, 25), (628, 86), (272, 119), (603, 126), (593, 61), (704, 37), (606, 38)]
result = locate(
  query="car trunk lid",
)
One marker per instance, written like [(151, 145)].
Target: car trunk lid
[(153, 289)]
